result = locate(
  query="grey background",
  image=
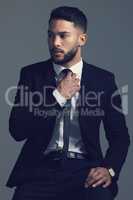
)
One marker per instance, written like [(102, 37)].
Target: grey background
[(23, 26)]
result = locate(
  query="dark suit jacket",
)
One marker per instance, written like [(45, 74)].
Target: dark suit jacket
[(37, 130)]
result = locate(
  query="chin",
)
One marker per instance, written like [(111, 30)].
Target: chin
[(58, 61)]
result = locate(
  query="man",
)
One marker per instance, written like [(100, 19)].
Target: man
[(59, 116)]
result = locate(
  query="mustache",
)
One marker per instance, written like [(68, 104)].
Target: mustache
[(56, 50)]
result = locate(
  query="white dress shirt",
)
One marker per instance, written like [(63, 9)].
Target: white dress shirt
[(75, 141)]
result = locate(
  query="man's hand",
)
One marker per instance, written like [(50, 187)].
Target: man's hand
[(69, 85), (98, 176)]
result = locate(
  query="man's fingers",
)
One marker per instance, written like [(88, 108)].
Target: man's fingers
[(74, 75), (92, 171), (97, 183), (106, 184), (95, 174), (77, 80), (69, 75), (95, 180), (98, 176), (92, 177)]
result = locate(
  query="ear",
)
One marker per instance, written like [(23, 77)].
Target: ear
[(82, 39)]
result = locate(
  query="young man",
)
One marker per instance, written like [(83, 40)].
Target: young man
[(60, 114)]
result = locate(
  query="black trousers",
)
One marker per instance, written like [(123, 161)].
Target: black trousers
[(61, 180)]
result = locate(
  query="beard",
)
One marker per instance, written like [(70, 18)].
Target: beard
[(67, 57)]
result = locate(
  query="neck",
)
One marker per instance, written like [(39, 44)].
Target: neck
[(71, 63)]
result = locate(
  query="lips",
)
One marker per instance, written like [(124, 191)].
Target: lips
[(57, 53)]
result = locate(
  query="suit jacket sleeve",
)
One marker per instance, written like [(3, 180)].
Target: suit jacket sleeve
[(115, 129), (23, 124)]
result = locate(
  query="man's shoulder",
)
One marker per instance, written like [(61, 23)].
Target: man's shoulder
[(37, 67), (97, 71)]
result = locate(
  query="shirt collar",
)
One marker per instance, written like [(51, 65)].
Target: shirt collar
[(77, 68)]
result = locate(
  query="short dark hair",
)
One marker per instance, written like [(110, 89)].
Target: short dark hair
[(71, 14)]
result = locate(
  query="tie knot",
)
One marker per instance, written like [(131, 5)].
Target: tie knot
[(62, 75), (65, 71)]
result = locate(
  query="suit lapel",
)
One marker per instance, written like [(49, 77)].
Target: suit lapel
[(86, 83), (50, 74)]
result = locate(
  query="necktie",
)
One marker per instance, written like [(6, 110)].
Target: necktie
[(66, 114), (62, 75)]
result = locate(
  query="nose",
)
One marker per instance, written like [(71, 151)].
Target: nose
[(56, 41)]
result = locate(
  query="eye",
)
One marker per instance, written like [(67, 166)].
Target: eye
[(63, 36)]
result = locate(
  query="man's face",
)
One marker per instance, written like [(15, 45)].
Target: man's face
[(64, 41)]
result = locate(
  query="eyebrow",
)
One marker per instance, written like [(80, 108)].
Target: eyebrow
[(62, 32)]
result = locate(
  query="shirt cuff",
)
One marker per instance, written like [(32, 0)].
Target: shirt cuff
[(60, 99)]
